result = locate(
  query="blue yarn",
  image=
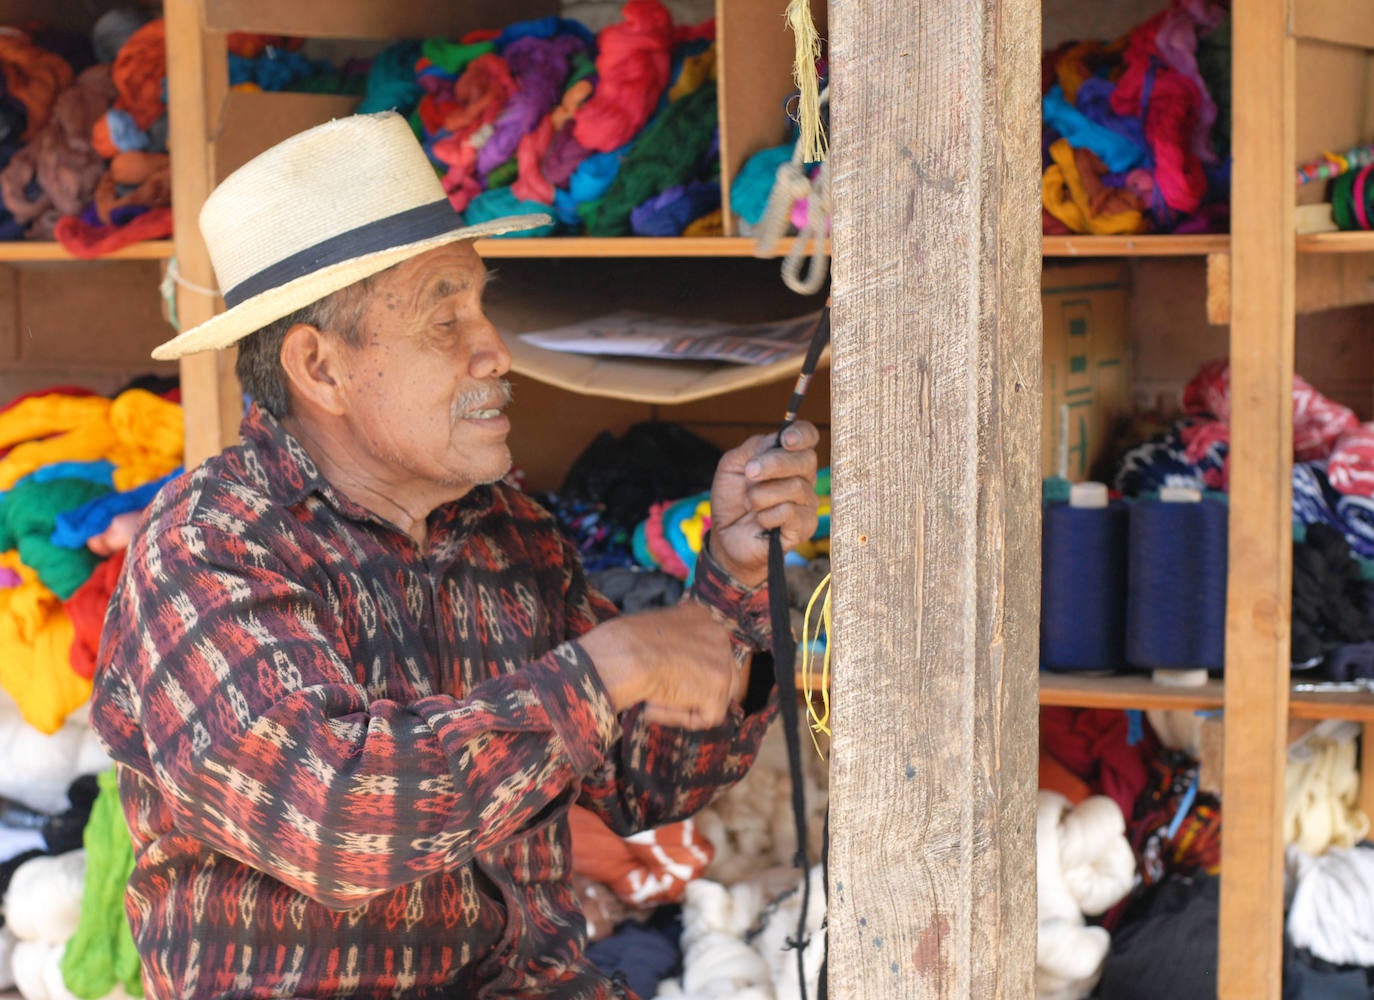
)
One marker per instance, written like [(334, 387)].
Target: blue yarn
[(276, 69), (1083, 587), (544, 27), (101, 471), (750, 189), (1356, 515), (671, 211), (391, 82), (1176, 595), (240, 70), (124, 133), (591, 179), (1115, 150), (73, 528), (644, 955), (498, 203), (1135, 726)]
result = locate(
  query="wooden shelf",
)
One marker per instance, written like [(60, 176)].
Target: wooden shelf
[(1342, 242), (1135, 246), (626, 246), (20, 251), (1125, 691), (1355, 705)]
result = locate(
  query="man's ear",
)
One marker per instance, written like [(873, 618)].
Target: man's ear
[(313, 363)]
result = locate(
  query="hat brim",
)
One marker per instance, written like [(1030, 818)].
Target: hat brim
[(232, 325)]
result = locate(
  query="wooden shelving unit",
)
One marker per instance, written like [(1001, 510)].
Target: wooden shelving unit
[(19, 252)]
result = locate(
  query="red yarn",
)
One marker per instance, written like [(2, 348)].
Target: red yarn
[(86, 608), (703, 32), (89, 242), (632, 66), (479, 95), (1091, 742), (1171, 116)]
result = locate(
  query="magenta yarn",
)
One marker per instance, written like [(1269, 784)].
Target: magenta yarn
[(564, 155), (1177, 42)]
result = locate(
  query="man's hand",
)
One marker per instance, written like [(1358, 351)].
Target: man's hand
[(676, 660), (758, 487)]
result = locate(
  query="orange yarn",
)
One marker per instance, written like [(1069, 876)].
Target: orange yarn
[(138, 72), (144, 178), (34, 76)]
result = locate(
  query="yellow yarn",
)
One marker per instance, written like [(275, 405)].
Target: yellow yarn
[(696, 71), (35, 651), (150, 438), (87, 443), (808, 50), (820, 721), (43, 416)]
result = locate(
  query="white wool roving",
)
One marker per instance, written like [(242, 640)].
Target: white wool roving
[(1332, 913), (43, 902), (35, 768), (734, 939), (750, 825), (1084, 865), (1321, 802)]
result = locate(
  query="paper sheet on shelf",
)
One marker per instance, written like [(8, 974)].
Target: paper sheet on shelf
[(666, 338)]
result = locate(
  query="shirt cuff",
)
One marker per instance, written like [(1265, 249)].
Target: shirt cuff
[(579, 709), (743, 610)]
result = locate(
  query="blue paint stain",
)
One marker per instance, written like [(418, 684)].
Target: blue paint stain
[(878, 941), (910, 772), (895, 968), (863, 921)]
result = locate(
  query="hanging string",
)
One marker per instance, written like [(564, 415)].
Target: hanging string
[(808, 51), (1330, 165), (820, 721)]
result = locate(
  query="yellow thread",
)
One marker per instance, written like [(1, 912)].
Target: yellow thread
[(813, 142), (819, 722)]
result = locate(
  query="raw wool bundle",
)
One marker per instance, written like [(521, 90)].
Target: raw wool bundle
[(750, 825), (1332, 913), (1321, 804), (1084, 866), (735, 939), (36, 769)]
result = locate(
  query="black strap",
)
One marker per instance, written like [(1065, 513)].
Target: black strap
[(785, 659)]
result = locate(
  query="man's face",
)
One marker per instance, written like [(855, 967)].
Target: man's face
[(424, 387)]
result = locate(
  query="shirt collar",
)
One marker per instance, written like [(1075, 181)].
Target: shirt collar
[(291, 476)]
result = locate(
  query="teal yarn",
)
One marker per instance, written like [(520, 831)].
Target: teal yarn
[(391, 82), (498, 203), (669, 151), (751, 187), (28, 515)]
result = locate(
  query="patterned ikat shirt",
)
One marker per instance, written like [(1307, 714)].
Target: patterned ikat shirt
[(346, 763)]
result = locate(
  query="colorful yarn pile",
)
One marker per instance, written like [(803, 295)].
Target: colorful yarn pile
[(72, 465), (612, 134), (1131, 129)]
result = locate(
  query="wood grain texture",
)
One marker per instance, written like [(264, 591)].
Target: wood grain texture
[(1260, 571), (936, 415), (197, 81), (1343, 22), (369, 19)]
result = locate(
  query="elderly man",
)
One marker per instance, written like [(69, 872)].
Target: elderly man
[(352, 681)]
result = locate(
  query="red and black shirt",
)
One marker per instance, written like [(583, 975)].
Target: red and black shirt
[(346, 762)]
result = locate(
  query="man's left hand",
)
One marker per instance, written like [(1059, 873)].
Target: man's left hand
[(759, 486)]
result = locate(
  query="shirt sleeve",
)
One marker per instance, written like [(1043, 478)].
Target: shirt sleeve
[(220, 682), (658, 774)]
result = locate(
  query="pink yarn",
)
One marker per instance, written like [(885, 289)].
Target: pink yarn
[(632, 66), (1177, 42)]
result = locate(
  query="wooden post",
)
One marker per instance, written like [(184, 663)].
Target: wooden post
[(1259, 592), (197, 81), (936, 444)]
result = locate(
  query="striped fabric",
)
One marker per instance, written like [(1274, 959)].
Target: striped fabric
[(347, 763)]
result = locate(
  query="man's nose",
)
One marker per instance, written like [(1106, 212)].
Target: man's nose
[(490, 356)]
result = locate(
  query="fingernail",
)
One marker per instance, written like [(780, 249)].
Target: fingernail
[(753, 470)]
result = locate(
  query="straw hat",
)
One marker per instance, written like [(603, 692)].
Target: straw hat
[(316, 213)]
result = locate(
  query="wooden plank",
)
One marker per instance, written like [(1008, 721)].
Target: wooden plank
[(1339, 242), (1218, 288), (20, 251), (1341, 22), (197, 81), (936, 497), (368, 19), (629, 246), (1260, 590), (251, 122), (1331, 83), (1367, 769), (1335, 705), (1135, 246), (1125, 691)]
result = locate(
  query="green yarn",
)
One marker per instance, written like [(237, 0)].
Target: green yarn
[(101, 954), (453, 57), (391, 82), (669, 151), (504, 175), (581, 66), (1214, 66), (27, 516)]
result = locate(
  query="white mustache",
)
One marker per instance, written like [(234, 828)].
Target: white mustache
[(496, 395)]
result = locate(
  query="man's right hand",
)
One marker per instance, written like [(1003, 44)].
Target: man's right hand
[(677, 661)]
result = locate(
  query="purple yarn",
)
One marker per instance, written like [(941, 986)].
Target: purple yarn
[(9, 578), (1177, 43), (669, 213), (563, 156), (1094, 103), (539, 66)]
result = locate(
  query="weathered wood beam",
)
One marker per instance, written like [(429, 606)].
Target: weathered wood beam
[(1259, 593), (936, 430)]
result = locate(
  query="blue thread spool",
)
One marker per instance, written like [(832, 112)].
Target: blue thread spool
[(1083, 582), (1176, 597)]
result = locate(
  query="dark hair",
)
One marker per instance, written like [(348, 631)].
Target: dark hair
[(259, 367)]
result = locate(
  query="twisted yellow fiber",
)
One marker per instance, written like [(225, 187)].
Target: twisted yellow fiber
[(808, 50), (819, 723)]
